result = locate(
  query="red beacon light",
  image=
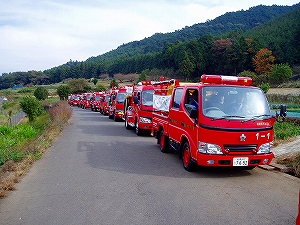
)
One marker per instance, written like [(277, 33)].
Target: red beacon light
[(146, 82), (220, 79)]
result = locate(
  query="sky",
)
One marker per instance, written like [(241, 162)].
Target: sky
[(42, 34)]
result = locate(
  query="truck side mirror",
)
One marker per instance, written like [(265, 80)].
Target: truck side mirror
[(135, 99), (283, 110), (282, 113)]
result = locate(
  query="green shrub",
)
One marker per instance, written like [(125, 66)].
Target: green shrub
[(63, 91), (10, 137), (265, 87), (286, 130), (280, 73), (32, 107), (41, 93)]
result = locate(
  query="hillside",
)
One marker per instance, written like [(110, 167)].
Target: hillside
[(243, 19), (282, 35)]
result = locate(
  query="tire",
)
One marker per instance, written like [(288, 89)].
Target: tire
[(187, 161), (138, 131), (163, 142), (127, 125)]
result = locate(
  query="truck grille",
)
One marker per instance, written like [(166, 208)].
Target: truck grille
[(240, 148)]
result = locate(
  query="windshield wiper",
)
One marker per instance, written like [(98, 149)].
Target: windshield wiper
[(227, 117), (257, 117)]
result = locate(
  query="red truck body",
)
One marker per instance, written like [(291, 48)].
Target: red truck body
[(116, 110), (139, 107), (73, 100), (85, 101), (298, 217), (204, 125), (96, 101), (104, 104)]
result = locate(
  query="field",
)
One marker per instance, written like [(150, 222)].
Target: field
[(285, 91)]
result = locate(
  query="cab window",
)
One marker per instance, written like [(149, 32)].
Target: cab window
[(191, 100), (177, 98)]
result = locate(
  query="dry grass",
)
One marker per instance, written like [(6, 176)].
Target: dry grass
[(11, 171), (291, 160)]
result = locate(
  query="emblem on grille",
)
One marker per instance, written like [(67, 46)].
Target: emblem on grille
[(243, 137)]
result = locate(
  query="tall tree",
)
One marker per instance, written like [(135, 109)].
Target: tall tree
[(186, 67), (263, 61)]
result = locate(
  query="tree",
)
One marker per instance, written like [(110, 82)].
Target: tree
[(186, 67), (79, 86), (280, 73), (263, 61), (113, 83), (32, 107), (95, 81), (41, 93), (63, 91), (143, 76)]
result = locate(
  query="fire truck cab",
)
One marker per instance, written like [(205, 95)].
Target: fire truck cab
[(116, 110), (96, 101), (221, 121), (139, 107), (104, 104)]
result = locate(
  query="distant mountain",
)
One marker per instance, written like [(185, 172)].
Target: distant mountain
[(243, 19), (281, 35)]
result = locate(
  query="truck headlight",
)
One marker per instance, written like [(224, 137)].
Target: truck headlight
[(208, 148), (265, 148), (145, 120)]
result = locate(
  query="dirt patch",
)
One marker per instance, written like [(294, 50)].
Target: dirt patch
[(284, 91)]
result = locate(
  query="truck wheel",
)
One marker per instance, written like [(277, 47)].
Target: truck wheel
[(163, 142), (116, 119), (137, 129), (188, 163), (126, 124)]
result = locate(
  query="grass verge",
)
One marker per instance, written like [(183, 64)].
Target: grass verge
[(286, 132), (23, 144)]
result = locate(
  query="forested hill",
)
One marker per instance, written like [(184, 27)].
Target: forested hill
[(243, 19)]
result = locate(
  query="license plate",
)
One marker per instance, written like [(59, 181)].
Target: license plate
[(240, 161)]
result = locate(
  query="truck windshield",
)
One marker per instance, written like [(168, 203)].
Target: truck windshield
[(121, 97), (147, 97), (221, 102)]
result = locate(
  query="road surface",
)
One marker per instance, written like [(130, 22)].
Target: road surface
[(97, 172)]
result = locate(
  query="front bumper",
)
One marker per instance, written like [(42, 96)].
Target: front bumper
[(227, 160)]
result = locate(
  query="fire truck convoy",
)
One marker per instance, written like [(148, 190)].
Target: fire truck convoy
[(221, 121)]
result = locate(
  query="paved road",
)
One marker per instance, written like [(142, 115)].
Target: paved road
[(97, 172)]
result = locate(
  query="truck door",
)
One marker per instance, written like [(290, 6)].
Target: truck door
[(180, 121)]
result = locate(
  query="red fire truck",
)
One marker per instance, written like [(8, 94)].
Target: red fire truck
[(85, 100), (139, 107), (221, 121), (73, 99), (139, 104), (96, 101), (104, 104), (298, 217), (116, 110)]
